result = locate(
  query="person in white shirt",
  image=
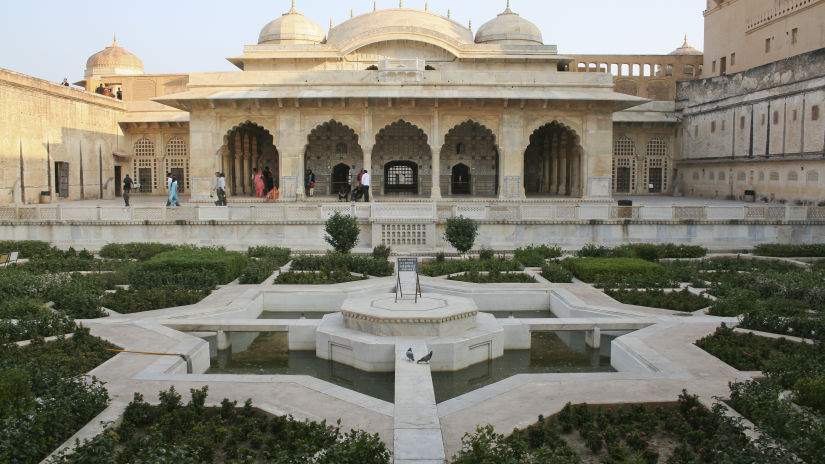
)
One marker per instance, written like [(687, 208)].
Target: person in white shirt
[(220, 187), (365, 185)]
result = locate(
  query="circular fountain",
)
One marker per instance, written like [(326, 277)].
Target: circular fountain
[(365, 331)]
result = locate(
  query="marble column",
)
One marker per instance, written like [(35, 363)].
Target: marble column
[(435, 192), (548, 169), (238, 187), (247, 174), (563, 177), (554, 174), (577, 173)]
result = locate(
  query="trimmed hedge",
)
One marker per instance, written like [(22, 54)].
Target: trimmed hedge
[(536, 256), (790, 251), (270, 260), (656, 298), (316, 278), (593, 269), (138, 251), (27, 248), (148, 299), (439, 268), (494, 277), (556, 273), (646, 251), (224, 265), (333, 261)]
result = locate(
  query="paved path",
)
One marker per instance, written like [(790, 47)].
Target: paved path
[(417, 428)]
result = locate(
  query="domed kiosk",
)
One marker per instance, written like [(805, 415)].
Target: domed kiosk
[(113, 60), (292, 28), (685, 49), (509, 28)]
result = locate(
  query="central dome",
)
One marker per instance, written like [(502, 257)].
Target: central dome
[(293, 28), (113, 60), (508, 27)]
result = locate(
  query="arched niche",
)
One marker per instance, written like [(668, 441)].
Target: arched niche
[(396, 145), (330, 145), (247, 146), (474, 146), (553, 162)]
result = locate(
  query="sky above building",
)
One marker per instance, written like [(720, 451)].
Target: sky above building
[(52, 39)]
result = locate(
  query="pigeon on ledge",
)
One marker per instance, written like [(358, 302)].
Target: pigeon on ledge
[(426, 358), (410, 356)]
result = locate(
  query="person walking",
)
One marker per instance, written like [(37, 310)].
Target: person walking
[(258, 179), (220, 187), (173, 192), (365, 185), (168, 186), (127, 189), (309, 182)]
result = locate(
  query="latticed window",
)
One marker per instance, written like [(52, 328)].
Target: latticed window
[(624, 165), (145, 165), (177, 162), (656, 166)]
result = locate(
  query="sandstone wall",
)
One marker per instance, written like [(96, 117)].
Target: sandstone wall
[(43, 123)]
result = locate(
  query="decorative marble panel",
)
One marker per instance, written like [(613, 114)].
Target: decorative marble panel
[(114, 213), (504, 213), (147, 213), (624, 212), (289, 187), (214, 213), (362, 211), (755, 212), (403, 234), (471, 211), (329, 210), (48, 213), (8, 214), (512, 186), (688, 212), (181, 213), (537, 212), (566, 212), (444, 212), (726, 212), (31, 214), (77, 214), (776, 212), (298, 213), (816, 212), (402, 211), (269, 213)]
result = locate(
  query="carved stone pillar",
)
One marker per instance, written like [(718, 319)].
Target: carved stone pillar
[(554, 174), (247, 174), (576, 173), (563, 177), (548, 168), (435, 193), (238, 187)]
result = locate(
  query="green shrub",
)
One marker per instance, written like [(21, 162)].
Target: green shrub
[(79, 297), (148, 299), (494, 277), (810, 392), (342, 232), (174, 432), (591, 250), (536, 256), (27, 248), (461, 233), (440, 257), (224, 265), (381, 252), (440, 268), (316, 278), (790, 251), (138, 251), (280, 255), (140, 277), (333, 261), (646, 251), (15, 392), (486, 254), (555, 272), (592, 269), (681, 300), (45, 324), (746, 351)]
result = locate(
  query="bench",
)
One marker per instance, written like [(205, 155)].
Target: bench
[(9, 258)]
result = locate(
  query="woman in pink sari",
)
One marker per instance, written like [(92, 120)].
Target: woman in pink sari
[(259, 183)]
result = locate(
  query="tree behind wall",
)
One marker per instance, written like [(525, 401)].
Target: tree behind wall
[(461, 233), (342, 232)]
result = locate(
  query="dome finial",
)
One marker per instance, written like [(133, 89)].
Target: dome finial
[(292, 10), (330, 23), (426, 6), (114, 40), (374, 5), (448, 13), (400, 3), (470, 25), (351, 13), (685, 44)]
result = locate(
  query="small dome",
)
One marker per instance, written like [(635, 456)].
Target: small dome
[(686, 49), (113, 60), (508, 27), (292, 27)]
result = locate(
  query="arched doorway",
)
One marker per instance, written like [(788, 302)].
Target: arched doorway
[(340, 177), (460, 184), (624, 165), (332, 151), (553, 161), (473, 147), (656, 166), (247, 146), (402, 156)]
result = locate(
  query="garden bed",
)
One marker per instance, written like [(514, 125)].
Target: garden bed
[(316, 278), (593, 269), (746, 351), (682, 300), (332, 261), (194, 433), (446, 267), (494, 277)]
